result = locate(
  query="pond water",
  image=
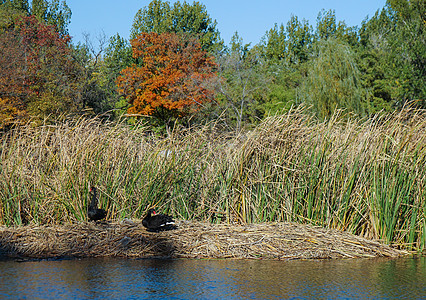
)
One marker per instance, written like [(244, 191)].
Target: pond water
[(213, 279)]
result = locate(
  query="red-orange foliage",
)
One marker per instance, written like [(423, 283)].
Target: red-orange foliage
[(37, 71), (170, 75), (12, 78)]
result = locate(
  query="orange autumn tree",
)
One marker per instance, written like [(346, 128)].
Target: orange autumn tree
[(170, 77)]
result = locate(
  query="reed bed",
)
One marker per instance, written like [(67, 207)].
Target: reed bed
[(366, 177), (283, 241)]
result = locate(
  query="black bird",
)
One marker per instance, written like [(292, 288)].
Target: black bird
[(93, 212), (158, 222)]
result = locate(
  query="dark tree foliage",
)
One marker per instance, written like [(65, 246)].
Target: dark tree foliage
[(394, 45), (38, 75)]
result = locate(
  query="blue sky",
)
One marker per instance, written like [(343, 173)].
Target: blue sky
[(250, 18)]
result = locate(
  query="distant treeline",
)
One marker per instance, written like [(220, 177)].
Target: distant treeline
[(176, 67)]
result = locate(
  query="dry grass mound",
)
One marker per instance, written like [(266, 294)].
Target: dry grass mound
[(191, 240), (364, 176)]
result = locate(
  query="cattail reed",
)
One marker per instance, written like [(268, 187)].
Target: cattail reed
[(366, 176)]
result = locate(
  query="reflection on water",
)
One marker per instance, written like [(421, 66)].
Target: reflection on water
[(213, 279)]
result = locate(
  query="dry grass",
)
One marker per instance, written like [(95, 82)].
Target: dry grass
[(366, 177), (191, 240)]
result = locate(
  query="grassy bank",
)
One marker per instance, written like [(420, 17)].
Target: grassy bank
[(366, 177)]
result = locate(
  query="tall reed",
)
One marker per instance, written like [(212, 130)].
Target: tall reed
[(366, 177)]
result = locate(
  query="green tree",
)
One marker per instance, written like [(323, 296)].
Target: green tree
[(156, 17), (326, 24), (407, 42), (299, 40), (373, 61), (377, 86), (54, 12), (103, 65), (290, 43), (333, 80), (160, 17), (275, 43), (395, 35), (117, 57), (286, 49), (327, 27), (94, 92)]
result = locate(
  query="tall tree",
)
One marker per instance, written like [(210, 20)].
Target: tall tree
[(290, 43), (117, 57), (299, 40), (327, 27), (160, 17), (170, 79), (326, 24), (333, 80), (286, 49), (275, 43), (156, 17), (54, 12), (395, 37), (407, 41)]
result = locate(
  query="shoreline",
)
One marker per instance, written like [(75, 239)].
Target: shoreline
[(129, 239)]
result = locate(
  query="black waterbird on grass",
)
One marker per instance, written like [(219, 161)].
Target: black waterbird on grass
[(93, 212), (158, 222)]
